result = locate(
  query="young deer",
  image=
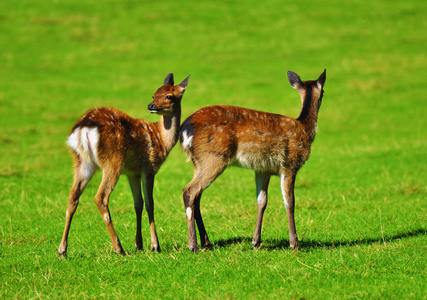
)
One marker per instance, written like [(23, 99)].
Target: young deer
[(216, 137), (109, 139)]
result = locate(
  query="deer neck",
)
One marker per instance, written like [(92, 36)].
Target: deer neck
[(168, 127), (310, 110)]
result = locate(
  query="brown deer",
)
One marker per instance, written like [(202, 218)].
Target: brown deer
[(110, 140), (219, 136)]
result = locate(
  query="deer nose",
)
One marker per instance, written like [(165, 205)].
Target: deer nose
[(152, 106)]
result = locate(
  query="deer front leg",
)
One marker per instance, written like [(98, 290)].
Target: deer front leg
[(148, 184), (262, 181), (288, 184), (109, 180), (135, 185)]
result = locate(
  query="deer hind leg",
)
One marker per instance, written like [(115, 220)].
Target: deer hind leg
[(135, 185), (262, 181), (83, 173), (204, 240), (148, 183), (192, 193), (288, 184), (110, 177)]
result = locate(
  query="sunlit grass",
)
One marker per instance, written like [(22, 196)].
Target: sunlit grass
[(360, 199)]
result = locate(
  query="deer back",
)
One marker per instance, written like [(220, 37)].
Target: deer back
[(245, 138)]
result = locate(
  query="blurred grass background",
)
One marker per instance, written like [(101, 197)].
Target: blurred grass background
[(360, 199)]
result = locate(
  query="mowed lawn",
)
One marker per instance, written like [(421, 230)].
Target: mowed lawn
[(361, 198)]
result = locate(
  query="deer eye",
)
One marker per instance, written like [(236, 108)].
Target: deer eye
[(169, 97)]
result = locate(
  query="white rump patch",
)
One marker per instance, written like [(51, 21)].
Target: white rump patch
[(84, 141), (73, 139), (186, 143)]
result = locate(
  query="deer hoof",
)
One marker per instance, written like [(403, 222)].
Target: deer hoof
[(208, 246), (156, 249), (256, 244), (294, 246), (194, 249), (120, 251)]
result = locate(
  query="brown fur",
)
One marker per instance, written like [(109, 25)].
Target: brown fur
[(216, 137), (125, 140), (110, 140)]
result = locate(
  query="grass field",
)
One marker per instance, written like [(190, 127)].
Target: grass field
[(360, 199)]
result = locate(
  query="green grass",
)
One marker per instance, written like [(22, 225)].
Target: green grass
[(360, 199)]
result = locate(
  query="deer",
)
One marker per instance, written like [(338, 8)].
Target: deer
[(219, 136), (110, 140)]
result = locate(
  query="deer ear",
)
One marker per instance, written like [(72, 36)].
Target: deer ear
[(294, 80), (168, 80), (321, 81), (184, 83)]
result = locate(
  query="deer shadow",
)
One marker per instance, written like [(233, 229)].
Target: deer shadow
[(309, 244)]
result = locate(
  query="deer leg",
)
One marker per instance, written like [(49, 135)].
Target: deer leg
[(288, 184), (82, 175), (262, 181), (135, 185), (109, 180), (204, 240), (189, 199), (148, 183), (192, 193)]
